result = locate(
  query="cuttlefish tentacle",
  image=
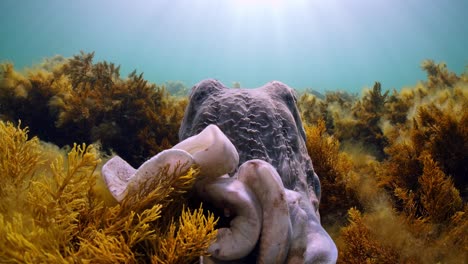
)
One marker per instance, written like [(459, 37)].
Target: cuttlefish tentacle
[(299, 228), (116, 173), (320, 246), (122, 179), (210, 150), (240, 238), (265, 182)]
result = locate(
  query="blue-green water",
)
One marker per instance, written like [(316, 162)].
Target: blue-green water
[(319, 44)]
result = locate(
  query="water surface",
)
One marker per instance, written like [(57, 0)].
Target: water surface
[(324, 45)]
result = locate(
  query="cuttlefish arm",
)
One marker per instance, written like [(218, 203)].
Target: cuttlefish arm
[(210, 150), (122, 179), (235, 199), (310, 242), (320, 246), (265, 182), (116, 173), (299, 228)]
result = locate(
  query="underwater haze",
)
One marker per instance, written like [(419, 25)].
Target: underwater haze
[(318, 44)]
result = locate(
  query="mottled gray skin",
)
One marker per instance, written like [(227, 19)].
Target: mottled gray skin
[(264, 123)]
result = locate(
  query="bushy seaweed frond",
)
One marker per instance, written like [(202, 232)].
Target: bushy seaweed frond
[(168, 188), (187, 239), (414, 174), (410, 205), (105, 248), (456, 235), (402, 168), (333, 168), (60, 198), (439, 198), (309, 107), (343, 98), (85, 75), (361, 245), (59, 202), (12, 83), (26, 97), (397, 108), (333, 107), (349, 118), (373, 100), (19, 155), (438, 75), (368, 113), (130, 231), (338, 106), (442, 133), (40, 215), (22, 241)]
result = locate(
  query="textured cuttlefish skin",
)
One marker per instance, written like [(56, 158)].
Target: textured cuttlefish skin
[(265, 127), (262, 123)]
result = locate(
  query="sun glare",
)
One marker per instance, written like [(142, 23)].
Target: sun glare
[(260, 4), (257, 2)]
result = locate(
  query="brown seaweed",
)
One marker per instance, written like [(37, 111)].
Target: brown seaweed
[(82, 101), (58, 215)]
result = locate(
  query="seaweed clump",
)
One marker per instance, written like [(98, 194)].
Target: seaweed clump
[(335, 171), (397, 163), (363, 247), (76, 100), (52, 211)]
